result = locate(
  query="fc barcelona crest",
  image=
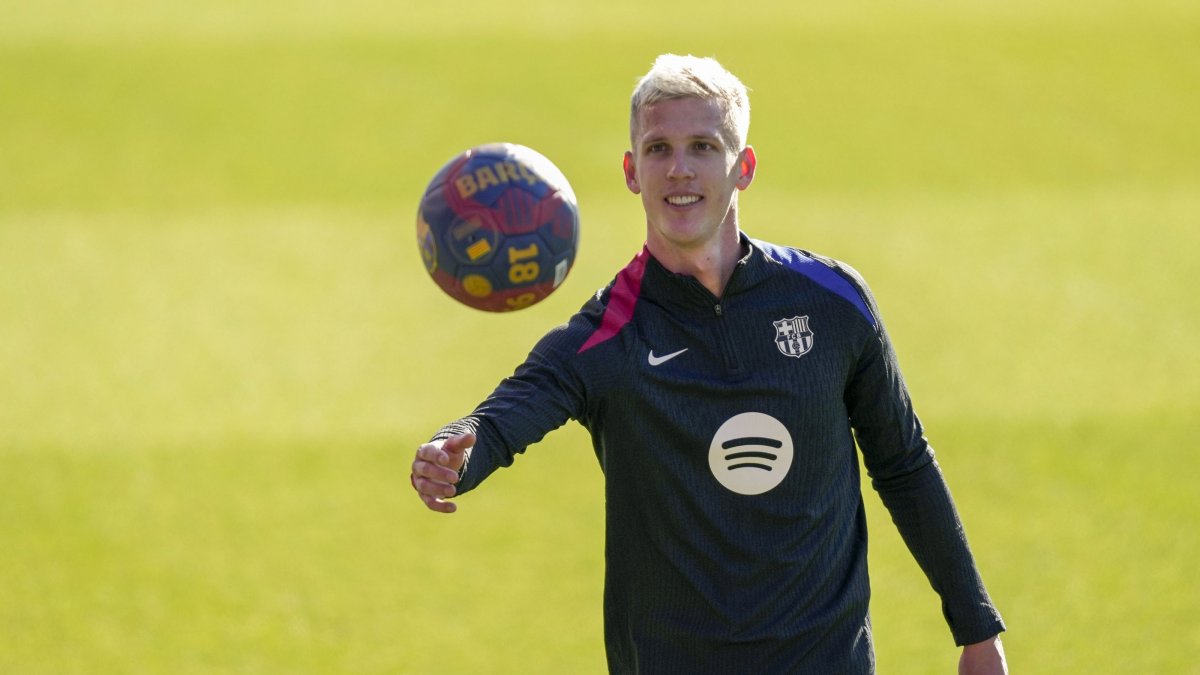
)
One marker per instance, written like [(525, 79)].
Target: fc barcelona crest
[(793, 336)]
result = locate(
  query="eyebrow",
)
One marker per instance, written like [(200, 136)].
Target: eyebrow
[(695, 137)]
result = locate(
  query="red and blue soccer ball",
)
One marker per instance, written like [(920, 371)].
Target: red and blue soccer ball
[(498, 227)]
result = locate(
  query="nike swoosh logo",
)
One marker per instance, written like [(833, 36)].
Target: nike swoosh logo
[(659, 360)]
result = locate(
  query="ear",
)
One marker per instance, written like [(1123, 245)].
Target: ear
[(748, 163), (631, 180)]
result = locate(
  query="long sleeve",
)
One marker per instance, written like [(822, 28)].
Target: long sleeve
[(923, 511), (903, 471)]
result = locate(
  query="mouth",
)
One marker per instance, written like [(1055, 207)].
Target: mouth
[(683, 200)]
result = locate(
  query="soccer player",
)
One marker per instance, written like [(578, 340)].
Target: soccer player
[(725, 382)]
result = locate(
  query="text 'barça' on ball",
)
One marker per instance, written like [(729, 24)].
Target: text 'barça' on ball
[(495, 174)]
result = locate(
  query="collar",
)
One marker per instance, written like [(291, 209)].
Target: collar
[(666, 287)]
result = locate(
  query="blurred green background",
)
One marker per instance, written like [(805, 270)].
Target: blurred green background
[(219, 348)]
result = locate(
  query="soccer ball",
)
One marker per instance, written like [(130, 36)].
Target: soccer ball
[(498, 227)]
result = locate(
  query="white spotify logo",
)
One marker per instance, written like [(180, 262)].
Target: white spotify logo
[(751, 453)]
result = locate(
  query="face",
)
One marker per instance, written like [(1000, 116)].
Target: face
[(686, 173)]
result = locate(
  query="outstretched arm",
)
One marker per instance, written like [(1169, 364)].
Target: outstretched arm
[(435, 471)]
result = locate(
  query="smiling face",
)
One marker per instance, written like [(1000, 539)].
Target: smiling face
[(687, 174)]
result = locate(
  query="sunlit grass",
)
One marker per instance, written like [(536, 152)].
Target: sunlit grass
[(218, 347)]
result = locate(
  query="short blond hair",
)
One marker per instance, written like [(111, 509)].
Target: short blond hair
[(673, 76)]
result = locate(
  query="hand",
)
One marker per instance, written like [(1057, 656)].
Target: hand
[(435, 471), (983, 658)]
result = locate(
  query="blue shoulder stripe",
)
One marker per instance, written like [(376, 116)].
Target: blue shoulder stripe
[(820, 273)]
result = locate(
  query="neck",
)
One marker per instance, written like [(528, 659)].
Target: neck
[(711, 263)]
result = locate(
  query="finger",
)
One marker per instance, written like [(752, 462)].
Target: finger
[(433, 471), (456, 448), (450, 452), (439, 505), (446, 451), (460, 443), (434, 494), (433, 488), (433, 453)]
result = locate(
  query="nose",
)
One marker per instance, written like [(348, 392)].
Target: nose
[(680, 167)]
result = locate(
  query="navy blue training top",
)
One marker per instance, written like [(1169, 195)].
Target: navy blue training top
[(726, 428)]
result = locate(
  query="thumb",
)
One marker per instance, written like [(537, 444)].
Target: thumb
[(456, 448)]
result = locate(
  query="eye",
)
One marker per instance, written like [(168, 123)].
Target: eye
[(704, 146), (656, 147)]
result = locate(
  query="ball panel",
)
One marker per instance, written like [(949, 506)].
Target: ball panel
[(471, 239), (427, 244), (557, 223)]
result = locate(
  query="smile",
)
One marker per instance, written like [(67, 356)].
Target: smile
[(683, 200)]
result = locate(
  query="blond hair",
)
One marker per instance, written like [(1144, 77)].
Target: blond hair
[(673, 76)]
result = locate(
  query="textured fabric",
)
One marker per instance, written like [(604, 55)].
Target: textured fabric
[(726, 429)]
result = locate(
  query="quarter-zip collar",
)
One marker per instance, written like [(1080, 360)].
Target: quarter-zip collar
[(686, 292)]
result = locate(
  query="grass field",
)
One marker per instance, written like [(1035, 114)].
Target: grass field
[(218, 346)]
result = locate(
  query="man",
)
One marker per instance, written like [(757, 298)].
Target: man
[(724, 381)]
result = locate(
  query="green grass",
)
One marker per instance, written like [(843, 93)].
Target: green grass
[(218, 346)]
